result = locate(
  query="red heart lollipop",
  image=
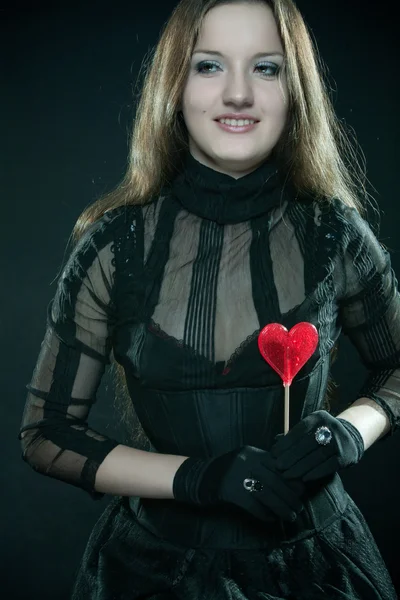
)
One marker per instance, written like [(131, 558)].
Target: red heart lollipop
[(288, 351)]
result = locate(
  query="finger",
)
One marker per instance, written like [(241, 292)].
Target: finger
[(275, 503), (307, 463), (285, 442), (304, 446), (283, 491), (327, 468), (260, 511)]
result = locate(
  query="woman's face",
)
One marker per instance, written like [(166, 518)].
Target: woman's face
[(238, 74)]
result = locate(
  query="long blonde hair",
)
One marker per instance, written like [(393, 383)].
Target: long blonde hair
[(315, 148)]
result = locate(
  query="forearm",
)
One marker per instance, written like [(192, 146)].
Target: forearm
[(369, 418), (128, 471)]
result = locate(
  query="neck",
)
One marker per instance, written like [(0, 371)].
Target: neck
[(220, 197), (233, 169)]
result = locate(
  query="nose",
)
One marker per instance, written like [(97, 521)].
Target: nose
[(238, 90)]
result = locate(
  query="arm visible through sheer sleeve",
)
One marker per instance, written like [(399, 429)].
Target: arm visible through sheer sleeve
[(55, 436), (370, 315)]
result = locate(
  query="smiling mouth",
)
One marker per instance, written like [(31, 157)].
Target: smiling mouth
[(237, 122), (245, 126)]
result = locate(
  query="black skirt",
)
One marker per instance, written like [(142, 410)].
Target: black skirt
[(338, 559)]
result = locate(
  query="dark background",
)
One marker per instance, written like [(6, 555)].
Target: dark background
[(66, 108)]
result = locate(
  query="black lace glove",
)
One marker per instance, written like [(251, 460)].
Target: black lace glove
[(299, 455), (206, 482)]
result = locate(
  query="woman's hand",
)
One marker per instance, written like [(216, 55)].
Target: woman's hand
[(205, 482), (300, 456)]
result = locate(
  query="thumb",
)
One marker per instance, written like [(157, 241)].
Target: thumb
[(278, 437), (297, 485)]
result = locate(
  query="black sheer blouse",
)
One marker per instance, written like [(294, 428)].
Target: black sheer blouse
[(178, 290)]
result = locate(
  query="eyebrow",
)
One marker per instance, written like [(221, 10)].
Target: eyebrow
[(216, 53)]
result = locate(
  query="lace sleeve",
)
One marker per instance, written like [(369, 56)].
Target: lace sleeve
[(55, 437), (370, 314)]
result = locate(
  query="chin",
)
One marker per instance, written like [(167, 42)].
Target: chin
[(242, 158)]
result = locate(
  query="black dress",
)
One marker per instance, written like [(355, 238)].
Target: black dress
[(179, 290)]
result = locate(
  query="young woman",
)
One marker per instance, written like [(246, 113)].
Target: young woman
[(236, 211)]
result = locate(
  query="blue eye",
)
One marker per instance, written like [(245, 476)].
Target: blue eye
[(275, 68), (201, 67), (204, 67)]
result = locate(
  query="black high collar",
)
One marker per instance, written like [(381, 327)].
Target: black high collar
[(224, 199)]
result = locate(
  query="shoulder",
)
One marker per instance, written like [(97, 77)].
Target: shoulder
[(117, 219), (347, 215), (355, 227), (96, 243), (113, 224), (359, 244), (336, 216), (334, 227)]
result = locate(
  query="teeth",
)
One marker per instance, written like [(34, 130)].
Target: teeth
[(237, 122)]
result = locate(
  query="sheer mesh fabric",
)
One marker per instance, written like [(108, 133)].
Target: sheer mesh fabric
[(207, 299), (56, 438), (180, 299), (332, 260), (370, 314)]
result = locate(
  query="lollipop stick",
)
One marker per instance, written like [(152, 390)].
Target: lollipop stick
[(286, 419), (287, 387)]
